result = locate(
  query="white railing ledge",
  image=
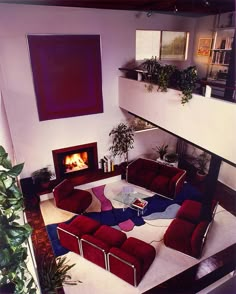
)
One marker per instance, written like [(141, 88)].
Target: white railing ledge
[(207, 122)]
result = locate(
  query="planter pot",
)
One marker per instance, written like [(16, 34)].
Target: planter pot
[(200, 177)]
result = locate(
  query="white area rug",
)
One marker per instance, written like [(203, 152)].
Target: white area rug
[(167, 263)]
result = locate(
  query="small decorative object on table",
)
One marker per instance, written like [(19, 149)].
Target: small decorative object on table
[(139, 203)]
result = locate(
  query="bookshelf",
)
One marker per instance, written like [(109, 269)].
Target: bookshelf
[(220, 54)]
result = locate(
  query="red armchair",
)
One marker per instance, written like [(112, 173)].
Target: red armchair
[(132, 260), (71, 199), (162, 179), (187, 233)]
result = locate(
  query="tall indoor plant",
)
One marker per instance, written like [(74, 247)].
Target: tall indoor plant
[(13, 235), (122, 140)]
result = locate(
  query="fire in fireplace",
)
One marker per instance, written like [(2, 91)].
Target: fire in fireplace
[(75, 160)]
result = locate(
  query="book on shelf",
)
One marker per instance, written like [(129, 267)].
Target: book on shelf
[(139, 203), (221, 57)]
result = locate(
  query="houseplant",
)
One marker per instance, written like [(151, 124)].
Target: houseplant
[(201, 162), (165, 76), (161, 150), (42, 177), (187, 82), (13, 235), (157, 74), (122, 140), (53, 274), (171, 157)]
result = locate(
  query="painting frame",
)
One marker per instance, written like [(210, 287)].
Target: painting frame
[(67, 75), (204, 47), (174, 45)]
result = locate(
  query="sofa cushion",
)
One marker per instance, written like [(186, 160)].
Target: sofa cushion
[(190, 210), (111, 236), (168, 171), (178, 235), (143, 177), (81, 225), (125, 266), (160, 185)]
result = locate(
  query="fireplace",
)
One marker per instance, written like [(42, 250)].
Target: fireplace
[(75, 160)]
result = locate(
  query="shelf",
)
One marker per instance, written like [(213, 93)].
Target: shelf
[(220, 64), (145, 130), (228, 49)]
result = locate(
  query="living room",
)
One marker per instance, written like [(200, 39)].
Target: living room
[(31, 141)]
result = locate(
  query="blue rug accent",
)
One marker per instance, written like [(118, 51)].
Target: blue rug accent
[(156, 207), (58, 250), (169, 213)]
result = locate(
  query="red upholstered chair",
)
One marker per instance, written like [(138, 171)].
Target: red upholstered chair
[(131, 261), (70, 234), (187, 232), (95, 247), (71, 199)]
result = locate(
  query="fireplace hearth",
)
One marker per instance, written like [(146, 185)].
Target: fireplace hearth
[(75, 160)]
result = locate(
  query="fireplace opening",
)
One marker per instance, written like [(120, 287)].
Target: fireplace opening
[(75, 160)]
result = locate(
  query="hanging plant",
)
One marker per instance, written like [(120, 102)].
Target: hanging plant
[(187, 83), (165, 76), (157, 74)]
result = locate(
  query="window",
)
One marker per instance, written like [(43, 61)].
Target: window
[(164, 45), (147, 44)]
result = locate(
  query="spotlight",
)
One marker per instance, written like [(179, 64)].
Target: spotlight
[(149, 13), (175, 9), (206, 3)]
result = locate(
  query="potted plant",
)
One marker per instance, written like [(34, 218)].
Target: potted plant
[(161, 150), (53, 273), (201, 162), (13, 235), (168, 75), (157, 74), (171, 157), (122, 140), (42, 177)]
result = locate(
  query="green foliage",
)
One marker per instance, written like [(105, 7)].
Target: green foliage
[(53, 274), (157, 74), (165, 76), (162, 150), (188, 78), (42, 175), (122, 140), (201, 162), (13, 236)]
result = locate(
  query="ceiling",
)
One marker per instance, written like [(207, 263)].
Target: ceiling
[(193, 7)]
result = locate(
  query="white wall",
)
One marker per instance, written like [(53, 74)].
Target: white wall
[(33, 140), (5, 136)]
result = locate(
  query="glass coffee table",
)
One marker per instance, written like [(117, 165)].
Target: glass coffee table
[(128, 197)]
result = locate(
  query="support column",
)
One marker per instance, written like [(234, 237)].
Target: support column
[(211, 182)]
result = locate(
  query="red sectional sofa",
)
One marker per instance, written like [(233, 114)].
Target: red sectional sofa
[(128, 258), (187, 232), (163, 179)]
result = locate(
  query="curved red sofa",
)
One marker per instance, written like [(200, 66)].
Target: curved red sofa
[(163, 179)]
